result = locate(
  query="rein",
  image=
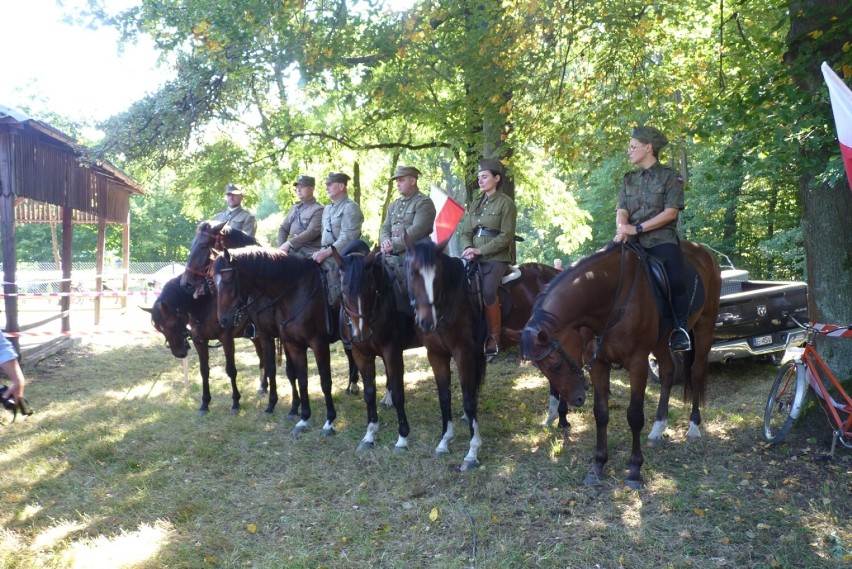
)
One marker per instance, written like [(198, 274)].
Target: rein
[(554, 346)]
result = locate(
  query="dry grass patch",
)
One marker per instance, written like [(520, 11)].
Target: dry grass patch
[(116, 465)]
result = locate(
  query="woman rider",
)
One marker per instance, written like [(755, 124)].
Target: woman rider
[(488, 232), (649, 203)]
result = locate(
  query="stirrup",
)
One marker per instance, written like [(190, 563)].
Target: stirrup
[(490, 354), (679, 340), (250, 332)]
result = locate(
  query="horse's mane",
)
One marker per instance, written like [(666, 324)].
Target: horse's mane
[(267, 263), (234, 238), (178, 297)]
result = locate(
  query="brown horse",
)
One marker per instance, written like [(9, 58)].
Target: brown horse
[(283, 295), (611, 295), (181, 317), (214, 237), (451, 325)]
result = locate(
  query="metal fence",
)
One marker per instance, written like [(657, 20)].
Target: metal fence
[(44, 278)]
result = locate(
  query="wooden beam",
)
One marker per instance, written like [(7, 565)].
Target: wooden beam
[(7, 231), (99, 267)]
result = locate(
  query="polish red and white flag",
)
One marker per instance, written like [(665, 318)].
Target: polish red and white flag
[(449, 213), (841, 105)]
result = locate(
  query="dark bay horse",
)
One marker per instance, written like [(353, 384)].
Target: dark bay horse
[(451, 326), (180, 317), (610, 295), (283, 295), (210, 239), (375, 327)]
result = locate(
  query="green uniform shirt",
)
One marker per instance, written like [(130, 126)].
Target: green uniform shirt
[(497, 213), (303, 227), (238, 218), (646, 193), (341, 223), (413, 216)]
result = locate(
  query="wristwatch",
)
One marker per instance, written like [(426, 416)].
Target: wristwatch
[(639, 229)]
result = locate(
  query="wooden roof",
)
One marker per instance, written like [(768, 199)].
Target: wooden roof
[(48, 166)]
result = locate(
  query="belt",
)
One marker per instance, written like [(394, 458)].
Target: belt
[(480, 231)]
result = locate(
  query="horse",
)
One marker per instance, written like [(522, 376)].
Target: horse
[(213, 237), (179, 316), (610, 298), (451, 325), (283, 295), (210, 238), (375, 327)]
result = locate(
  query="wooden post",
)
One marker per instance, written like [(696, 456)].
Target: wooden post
[(67, 253), (125, 259), (99, 268), (7, 225)]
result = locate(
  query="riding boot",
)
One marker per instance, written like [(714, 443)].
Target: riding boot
[(679, 340), (492, 314)]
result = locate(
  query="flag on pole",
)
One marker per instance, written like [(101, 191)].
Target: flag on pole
[(841, 105), (449, 213)]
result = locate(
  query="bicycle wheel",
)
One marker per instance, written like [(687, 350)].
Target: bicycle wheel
[(784, 403)]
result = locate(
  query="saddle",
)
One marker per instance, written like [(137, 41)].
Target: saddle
[(395, 271), (657, 276)]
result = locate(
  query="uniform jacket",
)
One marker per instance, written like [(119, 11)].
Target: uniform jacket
[(302, 227), (414, 216), (239, 218), (646, 193), (341, 223), (497, 213)]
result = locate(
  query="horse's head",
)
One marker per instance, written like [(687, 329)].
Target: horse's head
[(228, 294), (423, 267), (359, 292), (171, 320), (557, 351), (200, 254)]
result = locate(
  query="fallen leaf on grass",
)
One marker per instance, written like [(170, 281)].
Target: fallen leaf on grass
[(252, 528), (763, 526), (699, 512), (210, 559), (495, 519), (433, 515)]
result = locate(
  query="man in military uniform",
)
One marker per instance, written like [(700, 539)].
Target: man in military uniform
[(235, 215), (341, 224), (301, 231), (649, 204), (488, 232), (412, 214)]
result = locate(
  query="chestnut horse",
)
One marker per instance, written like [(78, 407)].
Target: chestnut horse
[(611, 295), (284, 297), (451, 325), (180, 317)]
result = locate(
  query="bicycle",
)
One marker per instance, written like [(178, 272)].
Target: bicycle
[(789, 391)]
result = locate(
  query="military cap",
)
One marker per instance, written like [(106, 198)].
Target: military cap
[(650, 135), (233, 189), (337, 177), (305, 181), (491, 164), (402, 171)]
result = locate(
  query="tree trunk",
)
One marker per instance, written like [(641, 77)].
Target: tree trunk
[(825, 220)]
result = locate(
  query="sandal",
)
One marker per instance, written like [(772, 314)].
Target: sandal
[(23, 406)]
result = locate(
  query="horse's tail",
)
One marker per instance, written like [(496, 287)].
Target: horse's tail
[(683, 370)]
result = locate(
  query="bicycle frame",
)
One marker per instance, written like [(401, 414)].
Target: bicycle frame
[(810, 370)]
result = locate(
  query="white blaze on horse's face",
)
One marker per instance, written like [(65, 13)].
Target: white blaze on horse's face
[(360, 319), (428, 276)]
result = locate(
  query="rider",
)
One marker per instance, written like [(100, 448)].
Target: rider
[(649, 203), (12, 396), (412, 214), (235, 215), (488, 232), (341, 224), (301, 229)]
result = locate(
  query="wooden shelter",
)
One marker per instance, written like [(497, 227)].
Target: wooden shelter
[(44, 172)]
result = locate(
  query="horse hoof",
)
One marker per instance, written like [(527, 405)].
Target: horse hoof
[(656, 442), (634, 485), (441, 453), (400, 450), (293, 416), (366, 446), (468, 465), (202, 412), (262, 391), (298, 430), (353, 389), (235, 411), (592, 479), (328, 432)]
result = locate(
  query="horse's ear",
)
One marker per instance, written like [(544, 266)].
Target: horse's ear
[(218, 228), (371, 256), (337, 258), (226, 254), (513, 335), (147, 309), (443, 245)]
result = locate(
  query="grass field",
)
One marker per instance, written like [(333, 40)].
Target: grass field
[(115, 469)]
